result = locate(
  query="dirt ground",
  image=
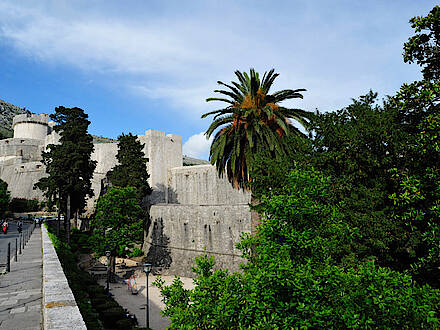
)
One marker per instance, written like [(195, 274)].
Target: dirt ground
[(135, 304)]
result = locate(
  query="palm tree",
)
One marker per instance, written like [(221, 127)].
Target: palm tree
[(253, 122)]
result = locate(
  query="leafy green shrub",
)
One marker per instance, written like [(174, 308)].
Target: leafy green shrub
[(95, 290), (112, 315), (297, 275), (136, 252), (118, 223), (24, 205), (124, 324), (96, 301), (106, 305)]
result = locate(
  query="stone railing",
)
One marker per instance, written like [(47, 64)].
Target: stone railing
[(59, 306)]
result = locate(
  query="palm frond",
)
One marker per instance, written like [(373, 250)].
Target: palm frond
[(219, 99), (214, 112), (234, 96), (233, 89)]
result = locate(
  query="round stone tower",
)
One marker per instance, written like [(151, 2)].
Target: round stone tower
[(28, 126)]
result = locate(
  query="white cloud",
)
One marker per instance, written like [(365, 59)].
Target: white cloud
[(197, 146), (176, 51)]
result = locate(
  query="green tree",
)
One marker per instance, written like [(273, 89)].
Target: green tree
[(5, 197), (118, 223), (68, 164), (254, 121), (294, 278), (132, 168), (424, 46)]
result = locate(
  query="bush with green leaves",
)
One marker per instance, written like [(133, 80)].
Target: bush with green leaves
[(5, 197), (24, 205), (299, 274), (118, 223)]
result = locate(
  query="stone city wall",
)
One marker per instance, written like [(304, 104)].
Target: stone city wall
[(179, 233), (26, 149), (163, 152), (21, 179), (105, 155), (201, 185)]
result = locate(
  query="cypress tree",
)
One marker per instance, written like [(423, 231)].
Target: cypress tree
[(132, 168), (68, 164)]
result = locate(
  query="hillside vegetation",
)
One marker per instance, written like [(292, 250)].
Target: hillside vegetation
[(7, 113)]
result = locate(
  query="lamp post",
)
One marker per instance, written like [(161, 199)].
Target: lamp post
[(147, 270), (107, 254)]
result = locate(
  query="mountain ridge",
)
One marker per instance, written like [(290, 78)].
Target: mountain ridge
[(7, 113)]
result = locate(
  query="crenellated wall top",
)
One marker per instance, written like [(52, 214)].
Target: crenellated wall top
[(42, 119)]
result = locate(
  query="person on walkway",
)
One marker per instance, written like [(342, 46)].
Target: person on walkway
[(5, 227)]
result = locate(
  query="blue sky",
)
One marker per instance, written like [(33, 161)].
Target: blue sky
[(139, 65)]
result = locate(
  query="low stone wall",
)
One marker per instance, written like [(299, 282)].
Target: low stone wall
[(59, 306)]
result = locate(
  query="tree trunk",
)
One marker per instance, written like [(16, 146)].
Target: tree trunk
[(75, 220), (67, 220), (58, 218)]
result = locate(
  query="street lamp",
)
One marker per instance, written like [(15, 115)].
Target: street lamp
[(147, 270), (107, 254)]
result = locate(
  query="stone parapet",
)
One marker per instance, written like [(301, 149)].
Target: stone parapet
[(42, 119), (201, 185), (31, 126), (60, 310)]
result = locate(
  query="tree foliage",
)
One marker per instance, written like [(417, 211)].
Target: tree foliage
[(132, 168), (118, 223), (68, 164), (294, 278), (5, 197), (424, 46), (253, 121)]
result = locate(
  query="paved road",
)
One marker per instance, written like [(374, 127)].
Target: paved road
[(10, 237), (20, 290)]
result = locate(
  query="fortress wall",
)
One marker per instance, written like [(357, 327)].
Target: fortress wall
[(200, 185), (163, 152), (52, 138), (30, 126), (21, 178), (179, 233), (105, 155), (28, 149)]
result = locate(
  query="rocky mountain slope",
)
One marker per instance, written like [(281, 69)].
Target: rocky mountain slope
[(7, 113)]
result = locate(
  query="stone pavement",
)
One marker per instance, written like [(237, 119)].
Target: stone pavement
[(20, 290), (135, 304)]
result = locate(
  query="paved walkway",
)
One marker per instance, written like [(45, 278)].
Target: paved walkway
[(20, 290), (136, 303)]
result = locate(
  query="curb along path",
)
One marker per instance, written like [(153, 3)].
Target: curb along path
[(21, 289), (60, 309)]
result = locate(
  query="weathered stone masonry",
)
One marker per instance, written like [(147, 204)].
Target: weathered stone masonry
[(193, 211)]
